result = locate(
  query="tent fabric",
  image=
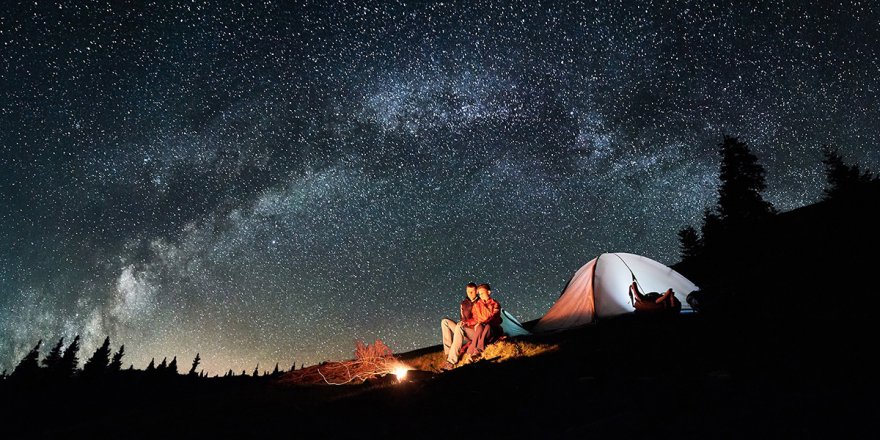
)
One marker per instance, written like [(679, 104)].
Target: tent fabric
[(511, 325), (600, 289)]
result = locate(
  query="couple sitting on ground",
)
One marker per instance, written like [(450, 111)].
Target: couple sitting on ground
[(479, 323)]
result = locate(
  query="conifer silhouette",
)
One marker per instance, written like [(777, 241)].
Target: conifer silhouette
[(100, 360), (152, 366), (742, 181), (116, 363), (162, 366), (276, 372), (257, 370), (172, 367), (29, 366), (69, 360), (196, 361), (53, 359), (690, 243), (844, 180)]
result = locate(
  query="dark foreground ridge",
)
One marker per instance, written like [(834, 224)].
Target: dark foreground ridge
[(683, 376), (783, 346)]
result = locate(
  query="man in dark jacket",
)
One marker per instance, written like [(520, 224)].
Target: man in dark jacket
[(455, 333)]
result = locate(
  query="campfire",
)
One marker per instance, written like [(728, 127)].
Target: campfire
[(370, 361)]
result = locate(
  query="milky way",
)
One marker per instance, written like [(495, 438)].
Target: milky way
[(270, 181)]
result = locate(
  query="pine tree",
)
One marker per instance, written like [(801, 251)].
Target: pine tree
[(162, 366), (54, 357), (172, 367), (690, 243), (712, 229), (843, 180), (742, 181), (152, 366), (276, 372), (257, 370), (29, 366), (196, 361), (116, 363), (97, 364), (69, 360)]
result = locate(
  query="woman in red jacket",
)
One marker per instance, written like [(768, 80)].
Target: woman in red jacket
[(486, 320)]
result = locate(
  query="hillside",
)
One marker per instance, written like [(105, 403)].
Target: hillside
[(789, 354), (685, 376)]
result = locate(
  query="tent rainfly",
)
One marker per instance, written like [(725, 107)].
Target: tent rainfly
[(600, 289), (511, 325)]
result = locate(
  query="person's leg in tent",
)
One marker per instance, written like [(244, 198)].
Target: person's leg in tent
[(669, 301), (634, 293), (666, 298)]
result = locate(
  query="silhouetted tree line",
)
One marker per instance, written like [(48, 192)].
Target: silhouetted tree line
[(741, 206), (61, 364), (740, 203), (741, 234)]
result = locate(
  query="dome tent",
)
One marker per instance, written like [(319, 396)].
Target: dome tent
[(600, 289)]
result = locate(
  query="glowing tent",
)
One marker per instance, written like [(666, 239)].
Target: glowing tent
[(600, 289)]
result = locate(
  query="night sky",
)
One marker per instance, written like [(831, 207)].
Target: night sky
[(270, 181)]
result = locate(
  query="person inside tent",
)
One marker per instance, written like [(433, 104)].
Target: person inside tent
[(455, 333), (486, 321), (653, 301)]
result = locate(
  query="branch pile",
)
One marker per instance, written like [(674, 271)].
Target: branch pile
[(371, 361)]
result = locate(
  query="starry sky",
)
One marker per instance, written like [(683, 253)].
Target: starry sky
[(269, 181)]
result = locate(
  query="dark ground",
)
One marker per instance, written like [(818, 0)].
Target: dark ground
[(687, 376), (786, 350)]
